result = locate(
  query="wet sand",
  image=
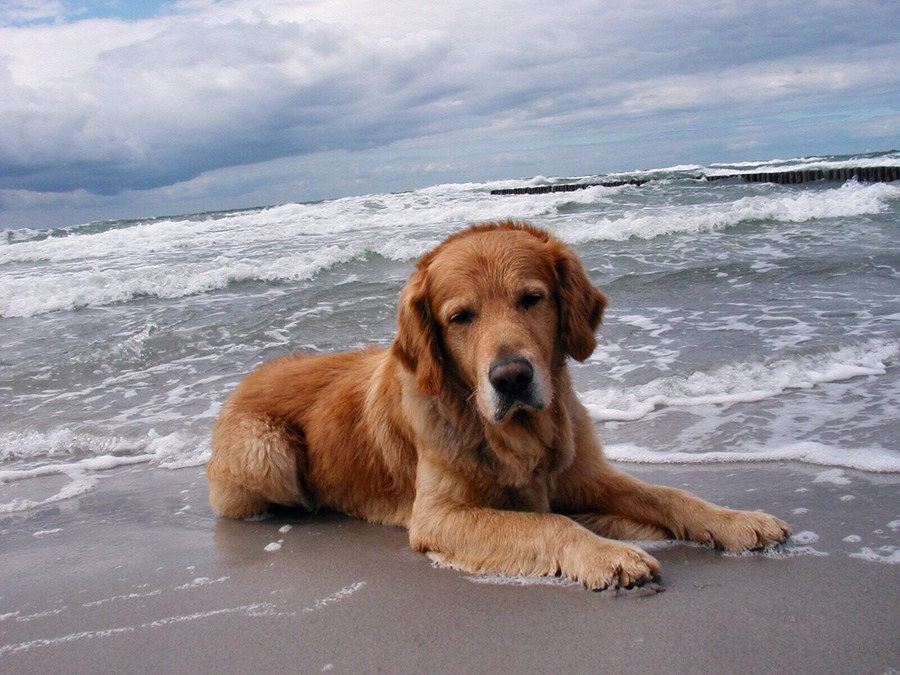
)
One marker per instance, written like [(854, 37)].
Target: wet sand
[(139, 576)]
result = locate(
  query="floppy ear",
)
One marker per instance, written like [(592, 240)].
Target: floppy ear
[(581, 306), (417, 343)]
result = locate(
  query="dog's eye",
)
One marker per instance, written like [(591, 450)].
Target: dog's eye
[(461, 317), (530, 300)]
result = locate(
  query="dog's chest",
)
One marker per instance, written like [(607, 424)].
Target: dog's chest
[(534, 497)]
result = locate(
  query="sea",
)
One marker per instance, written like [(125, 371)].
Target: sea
[(748, 322)]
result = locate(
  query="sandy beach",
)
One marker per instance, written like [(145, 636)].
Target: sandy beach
[(139, 576)]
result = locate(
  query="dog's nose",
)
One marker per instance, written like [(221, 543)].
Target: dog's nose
[(511, 377)]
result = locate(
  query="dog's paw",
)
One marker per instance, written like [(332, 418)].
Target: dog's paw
[(738, 531), (600, 564)]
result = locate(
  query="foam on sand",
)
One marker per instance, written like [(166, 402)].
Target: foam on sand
[(43, 455), (256, 609), (83, 476), (889, 555)]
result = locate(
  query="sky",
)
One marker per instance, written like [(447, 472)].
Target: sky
[(113, 109)]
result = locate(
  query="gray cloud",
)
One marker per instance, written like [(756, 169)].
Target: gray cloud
[(194, 98), (110, 106)]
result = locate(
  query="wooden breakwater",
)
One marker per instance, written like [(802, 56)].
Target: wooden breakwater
[(567, 187), (871, 174)]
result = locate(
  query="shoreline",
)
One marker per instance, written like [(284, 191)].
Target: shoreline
[(139, 574)]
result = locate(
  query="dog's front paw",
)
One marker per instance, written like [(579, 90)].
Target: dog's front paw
[(600, 564), (738, 531)]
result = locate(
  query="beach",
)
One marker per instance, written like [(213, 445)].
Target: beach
[(139, 576), (750, 353)]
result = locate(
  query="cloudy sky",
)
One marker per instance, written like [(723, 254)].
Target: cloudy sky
[(116, 109)]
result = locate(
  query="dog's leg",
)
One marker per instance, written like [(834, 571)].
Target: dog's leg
[(487, 540), (531, 544), (255, 462), (686, 516), (592, 485), (620, 527)]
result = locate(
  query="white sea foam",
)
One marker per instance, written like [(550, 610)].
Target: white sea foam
[(878, 460), (46, 453), (58, 443), (83, 476), (259, 609), (787, 551), (99, 268), (201, 581), (44, 533), (851, 199), (883, 554), (520, 580), (742, 382), (804, 164), (805, 538), (56, 453), (833, 476), (337, 596), (28, 295)]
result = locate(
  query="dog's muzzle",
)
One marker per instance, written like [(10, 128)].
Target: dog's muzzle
[(513, 382), (512, 377)]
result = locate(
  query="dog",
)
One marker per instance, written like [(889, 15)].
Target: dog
[(466, 430)]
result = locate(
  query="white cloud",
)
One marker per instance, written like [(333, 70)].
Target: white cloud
[(14, 12), (788, 82)]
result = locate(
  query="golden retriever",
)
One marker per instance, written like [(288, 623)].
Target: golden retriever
[(466, 430)]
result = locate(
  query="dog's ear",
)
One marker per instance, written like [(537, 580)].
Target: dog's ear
[(417, 344), (581, 305)]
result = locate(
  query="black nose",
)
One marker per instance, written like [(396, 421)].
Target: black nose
[(512, 377)]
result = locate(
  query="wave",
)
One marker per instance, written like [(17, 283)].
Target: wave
[(875, 460), (743, 382), (176, 258), (183, 257), (887, 158), (371, 217), (37, 294), (454, 205), (850, 200), (32, 450)]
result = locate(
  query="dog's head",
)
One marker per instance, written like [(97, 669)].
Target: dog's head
[(499, 307)]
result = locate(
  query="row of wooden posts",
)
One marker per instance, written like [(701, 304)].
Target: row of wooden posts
[(871, 174), (879, 174)]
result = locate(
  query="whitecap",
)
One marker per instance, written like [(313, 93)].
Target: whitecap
[(742, 382), (851, 199)]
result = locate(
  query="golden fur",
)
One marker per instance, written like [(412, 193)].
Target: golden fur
[(466, 430)]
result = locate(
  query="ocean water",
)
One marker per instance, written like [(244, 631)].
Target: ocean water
[(747, 322)]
